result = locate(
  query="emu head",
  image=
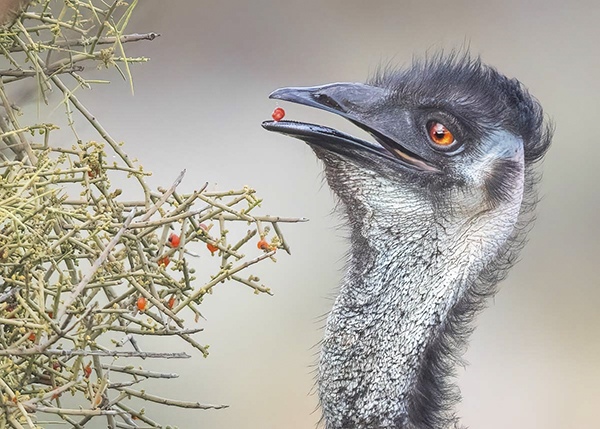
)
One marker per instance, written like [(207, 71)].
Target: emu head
[(437, 205), (453, 136)]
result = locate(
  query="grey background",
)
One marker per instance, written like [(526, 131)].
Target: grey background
[(198, 105)]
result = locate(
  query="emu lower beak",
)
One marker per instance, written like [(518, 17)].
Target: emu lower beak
[(356, 102)]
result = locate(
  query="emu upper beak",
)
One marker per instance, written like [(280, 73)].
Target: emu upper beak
[(356, 102)]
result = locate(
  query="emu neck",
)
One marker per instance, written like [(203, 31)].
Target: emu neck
[(383, 333)]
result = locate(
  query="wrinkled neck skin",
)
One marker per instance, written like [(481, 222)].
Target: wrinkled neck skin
[(407, 270)]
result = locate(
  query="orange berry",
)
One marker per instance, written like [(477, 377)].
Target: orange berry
[(171, 302), (31, 337), (263, 245), (174, 240), (164, 261), (141, 303), (87, 371), (212, 248), (278, 114)]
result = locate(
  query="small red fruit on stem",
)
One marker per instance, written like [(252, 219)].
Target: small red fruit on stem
[(278, 114), (212, 248), (87, 371), (171, 302), (174, 240), (141, 303), (164, 261), (264, 245)]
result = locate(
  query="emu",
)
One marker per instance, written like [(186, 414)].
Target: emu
[(438, 208)]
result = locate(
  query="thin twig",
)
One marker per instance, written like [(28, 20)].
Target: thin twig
[(172, 402), (110, 353), (106, 40)]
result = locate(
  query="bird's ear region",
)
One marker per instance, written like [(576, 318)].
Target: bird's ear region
[(496, 166)]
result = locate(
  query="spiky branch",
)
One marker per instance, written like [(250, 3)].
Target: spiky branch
[(84, 271)]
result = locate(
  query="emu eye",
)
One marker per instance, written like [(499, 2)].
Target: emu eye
[(439, 134)]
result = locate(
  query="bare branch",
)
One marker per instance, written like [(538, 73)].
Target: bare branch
[(172, 402)]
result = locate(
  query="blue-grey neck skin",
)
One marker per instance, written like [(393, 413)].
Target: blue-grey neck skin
[(409, 268)]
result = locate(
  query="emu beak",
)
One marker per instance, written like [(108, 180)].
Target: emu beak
[(356, 102)]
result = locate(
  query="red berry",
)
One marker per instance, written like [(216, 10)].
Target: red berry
[(211, 247), (87, 371), (164, 261), (31, 337), (141, 303), (171, 302), (263, 245), (174, 240), (278, 114)]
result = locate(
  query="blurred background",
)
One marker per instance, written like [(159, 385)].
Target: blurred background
[(198, 104)]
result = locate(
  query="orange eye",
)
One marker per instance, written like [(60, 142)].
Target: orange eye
[(439, 134)]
